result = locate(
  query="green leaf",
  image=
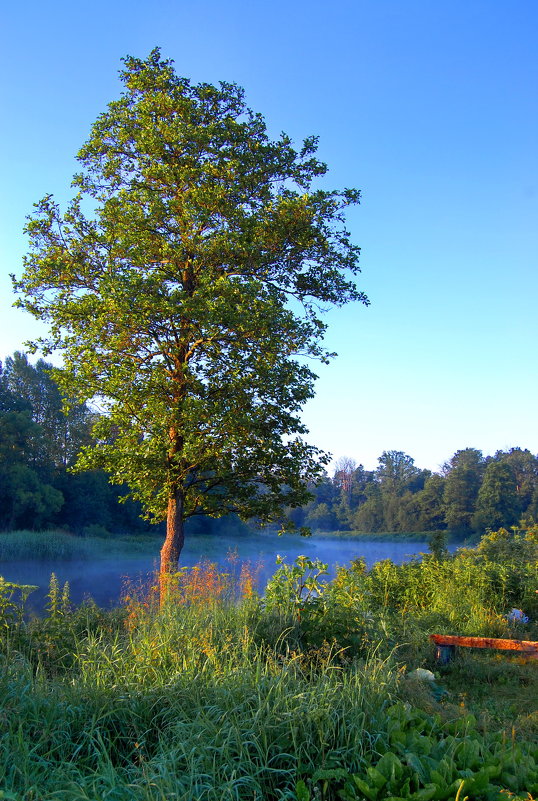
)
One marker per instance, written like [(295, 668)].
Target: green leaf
[(301, 791), (390, 766), (426, 794), (187, 301), (376, 777), (370, 792), (415, 763)]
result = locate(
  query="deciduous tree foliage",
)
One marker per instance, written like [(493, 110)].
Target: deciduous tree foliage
[(27, 498), (183, 285), (60, 436), (497, 502), (464, 474)]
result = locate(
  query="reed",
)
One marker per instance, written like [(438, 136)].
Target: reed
[(61, 545)]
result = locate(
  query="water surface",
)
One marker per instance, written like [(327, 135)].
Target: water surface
[(104, 578)]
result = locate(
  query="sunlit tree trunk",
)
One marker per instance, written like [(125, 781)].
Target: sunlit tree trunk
[(173, 544), (170, 301)]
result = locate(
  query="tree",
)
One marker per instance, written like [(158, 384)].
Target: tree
[(396, 471), (408, 512), (26, 500), (370, 515), (463, 479), (397, 475), (497, 504), (431, 505), (183, 301), (525, 467), (361, 480), (344, 471), (321, 517), (60, 433), (343, 474)]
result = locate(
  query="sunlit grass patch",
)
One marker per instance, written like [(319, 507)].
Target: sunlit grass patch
[(302, 694)]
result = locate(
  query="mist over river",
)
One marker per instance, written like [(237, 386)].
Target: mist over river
[(103, 578)]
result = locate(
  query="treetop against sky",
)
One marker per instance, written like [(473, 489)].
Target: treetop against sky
[(188, 296), (430, 110)]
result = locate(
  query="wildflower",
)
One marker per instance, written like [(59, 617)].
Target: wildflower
[(517, 616)]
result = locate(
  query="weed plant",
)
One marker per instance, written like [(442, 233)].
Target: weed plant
[(303, 694)]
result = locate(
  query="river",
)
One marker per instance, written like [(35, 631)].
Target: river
[(104, 578)]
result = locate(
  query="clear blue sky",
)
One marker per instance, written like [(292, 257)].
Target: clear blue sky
[(430, 108)]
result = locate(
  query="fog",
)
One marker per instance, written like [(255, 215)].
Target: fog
[(104, 579)]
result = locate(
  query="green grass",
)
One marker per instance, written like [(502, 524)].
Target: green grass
[(275, 698), (61, 545), (411, 536), (183, 705), (499, 689), (22, 545)]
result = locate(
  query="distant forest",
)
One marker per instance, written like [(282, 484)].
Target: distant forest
[(39, 442)]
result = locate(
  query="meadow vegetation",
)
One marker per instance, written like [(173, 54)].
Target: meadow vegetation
[(62, 546), (309, 692)]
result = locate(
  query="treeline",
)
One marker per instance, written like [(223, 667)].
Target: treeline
[(39, 443), (473, 493)]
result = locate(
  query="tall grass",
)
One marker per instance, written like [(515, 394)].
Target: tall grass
[(61, 545), (190, 703), (225, 695)]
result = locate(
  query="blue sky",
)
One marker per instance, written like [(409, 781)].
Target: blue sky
[(429, 108)]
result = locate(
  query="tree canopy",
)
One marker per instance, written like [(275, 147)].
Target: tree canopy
[(473, 494), (38, 443), (184, 286)]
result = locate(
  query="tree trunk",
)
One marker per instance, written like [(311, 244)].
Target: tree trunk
[(173, 544)]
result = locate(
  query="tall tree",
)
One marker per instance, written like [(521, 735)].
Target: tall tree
[(497, 503), (344, 471), (361, 480), (463, 479), (396, 474), (525, 467), (396, 471), (431, 504), (25, 499), (60, 432), (183, 301), (370, 514)]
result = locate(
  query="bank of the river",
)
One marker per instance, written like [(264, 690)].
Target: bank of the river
[(101, 568), (285, 698), (401, 536), (62, 545)]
